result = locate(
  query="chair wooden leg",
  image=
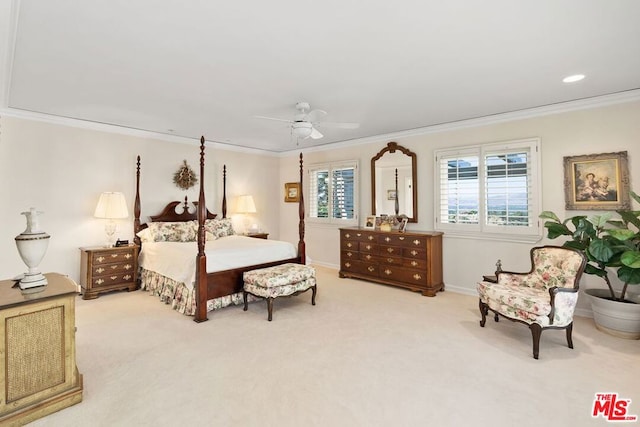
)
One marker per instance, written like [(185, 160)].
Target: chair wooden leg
[(569, 331), (484, 309), (313, 295), (536, 331), (244, 297), (270, 308)]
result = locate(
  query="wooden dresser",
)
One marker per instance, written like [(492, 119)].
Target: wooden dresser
[(38, 373), (411, 260), (108, 269)]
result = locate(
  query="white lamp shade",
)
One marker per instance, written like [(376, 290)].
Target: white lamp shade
[(111, 205), (244, 204)]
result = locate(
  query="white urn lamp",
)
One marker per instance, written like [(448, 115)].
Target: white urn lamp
[(246, 206), (32, 244), (111, 206)]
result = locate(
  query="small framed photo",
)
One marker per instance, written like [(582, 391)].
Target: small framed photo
[(292, 192), (391, 194), (403, 225), (370, 222), (597, 182)]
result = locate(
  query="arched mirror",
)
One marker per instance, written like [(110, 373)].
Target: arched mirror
[(394, 187)]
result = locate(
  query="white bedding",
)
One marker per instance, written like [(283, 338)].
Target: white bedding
[(177, 260)]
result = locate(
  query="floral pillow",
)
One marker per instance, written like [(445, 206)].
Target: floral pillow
[(219, 227), (186, 231)]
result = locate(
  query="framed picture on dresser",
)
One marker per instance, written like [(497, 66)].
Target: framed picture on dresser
[(370, 222), (403, 225)]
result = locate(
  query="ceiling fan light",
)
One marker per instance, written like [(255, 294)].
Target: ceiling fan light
[(302, 129)]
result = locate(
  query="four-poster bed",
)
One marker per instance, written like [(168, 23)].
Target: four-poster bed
[(211, 285)]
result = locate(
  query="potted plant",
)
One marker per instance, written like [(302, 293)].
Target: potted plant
[(611, 242)]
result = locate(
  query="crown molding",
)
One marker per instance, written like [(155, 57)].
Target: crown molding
[(563, 107), (545, 110)]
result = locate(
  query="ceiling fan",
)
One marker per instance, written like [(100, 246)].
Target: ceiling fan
[(304, 122)]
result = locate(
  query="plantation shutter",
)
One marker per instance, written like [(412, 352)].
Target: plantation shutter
[(343, 192), (508, 189), (319, 193), (459, 188)]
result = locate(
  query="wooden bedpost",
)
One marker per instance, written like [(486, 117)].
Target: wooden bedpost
[(136, 205), (201, 258), (301, 244), (224, 191)]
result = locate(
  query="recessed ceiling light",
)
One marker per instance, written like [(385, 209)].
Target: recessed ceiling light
[(574, 78)]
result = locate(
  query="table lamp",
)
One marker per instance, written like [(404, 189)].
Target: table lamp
[(111, 205)]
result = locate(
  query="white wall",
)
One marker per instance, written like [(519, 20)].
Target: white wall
[(62, 170), (589, 131)]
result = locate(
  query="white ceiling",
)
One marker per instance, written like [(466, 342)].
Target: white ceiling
[(191, 68)]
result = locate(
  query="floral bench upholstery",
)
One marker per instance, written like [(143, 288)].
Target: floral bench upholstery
[(279, 281), (543, 298)]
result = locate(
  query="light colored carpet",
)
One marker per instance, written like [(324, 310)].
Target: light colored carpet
[(365, 355)]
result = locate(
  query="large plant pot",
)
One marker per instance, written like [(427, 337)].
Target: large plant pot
[(620, 319)]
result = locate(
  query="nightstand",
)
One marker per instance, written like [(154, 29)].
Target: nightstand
[(258, 235), (108, 269)]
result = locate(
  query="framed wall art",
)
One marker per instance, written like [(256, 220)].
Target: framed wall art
[(292, 192), (391, 194), (597, 182)]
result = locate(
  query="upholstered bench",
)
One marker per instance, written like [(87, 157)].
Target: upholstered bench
[(279, 281)]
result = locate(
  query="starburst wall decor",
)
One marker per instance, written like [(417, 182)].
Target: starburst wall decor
[(185, 177)]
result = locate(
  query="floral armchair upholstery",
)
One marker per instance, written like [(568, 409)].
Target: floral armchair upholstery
[(543, 298)]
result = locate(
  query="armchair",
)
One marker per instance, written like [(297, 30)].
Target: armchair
[(543, 298)]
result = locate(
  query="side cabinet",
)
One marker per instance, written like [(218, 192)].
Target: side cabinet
[(411, 260)]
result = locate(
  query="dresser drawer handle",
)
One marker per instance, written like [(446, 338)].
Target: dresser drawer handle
[(349, 244), (388, 272), (371, 269), (389, 260), (390, 250), (370, 237), (417, 276), (387, 239), (414, 252), (347, 264), (368, 257), (368, 247), (128, 267), (127, 256), (113, 267), (349, 254), (347, 235), (99, 282), (414, 263), (358, 234), (114, 255), (113, 277), (400, 237), (100, 259), (416, 242), (127, 277), (99, 270)]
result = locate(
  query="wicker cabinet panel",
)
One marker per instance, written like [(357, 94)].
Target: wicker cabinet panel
[(108, 269), (412, 260)]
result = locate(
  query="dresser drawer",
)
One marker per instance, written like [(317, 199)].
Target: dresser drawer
[(414, 253), (111, 257), (358, 236), (359, 267), (105, 269), (390, 250), (406, 275), (112, 279), (368, 247)]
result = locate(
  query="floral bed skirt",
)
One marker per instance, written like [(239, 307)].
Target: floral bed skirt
[(181, 298)]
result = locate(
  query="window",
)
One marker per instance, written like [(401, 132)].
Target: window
[(492, 189), (333, 193)]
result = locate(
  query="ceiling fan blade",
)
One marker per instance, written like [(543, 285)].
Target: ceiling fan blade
[(340, 125), (315, 134), (272, 118), (315, 116)]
